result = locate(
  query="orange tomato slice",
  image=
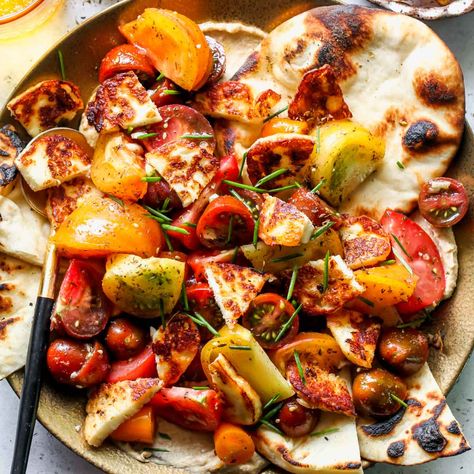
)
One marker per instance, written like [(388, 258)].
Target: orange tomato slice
[(140, 428)]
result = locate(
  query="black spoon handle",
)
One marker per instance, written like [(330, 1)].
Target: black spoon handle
[(32, 384)]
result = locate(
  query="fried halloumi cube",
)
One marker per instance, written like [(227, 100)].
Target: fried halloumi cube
[(283, 224), (234, 288), (175, 347), (46, 104), (364, 240), (51, 160), (114, 403), (121, 102), (242, 404), (356, 335), (188, 166), (10, 146), (342, 286)]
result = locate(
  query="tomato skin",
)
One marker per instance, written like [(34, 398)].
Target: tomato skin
[(295, 420), (198, 410), (436, 204), (140, 428), (283, 125), (157, 193), (160, 97), (424, 261), (142, 365), (218, 60), (122, 58), (95, 368), (198, 259), (317, 211), (125, 339)]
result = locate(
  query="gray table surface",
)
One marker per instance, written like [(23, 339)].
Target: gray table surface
[(49, 456)]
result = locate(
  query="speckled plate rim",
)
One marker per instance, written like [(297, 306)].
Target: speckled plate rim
[(60, 410)]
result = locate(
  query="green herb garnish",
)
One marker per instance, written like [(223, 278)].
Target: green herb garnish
[(387, 262), (271, 176), (116, 199), (400, 165), (323, 229), (398, 400), (401, 246), (244, 160), (170, 92), (197, 136), (288, 324), (291, 287), (201, 321), (144, 136), (366, 301), (152, 179), (285, 258), (299, 366), (160, 77), (255, 232), (271, 401), (230, 229), (173, 228), (62, 68), (324, 432), (158, 214), (275, 114), (240, 348), (326, 272), (319, 186)]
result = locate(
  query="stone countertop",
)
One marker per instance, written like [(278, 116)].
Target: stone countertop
[(49, 456)]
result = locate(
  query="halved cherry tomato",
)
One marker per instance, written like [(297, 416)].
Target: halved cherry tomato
[(82, 306), (125, 57), (423, 258), (124, 338), (283, 125), (226, 222), (233, 445), (218, 60), (443, 201), (159, 192), (142, 365), (198, 410), (161, 95), (95, 368), (295, 420), (267, 315), (198, 259), (140, 428)]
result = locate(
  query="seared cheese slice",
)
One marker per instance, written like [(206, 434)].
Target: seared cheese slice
[(234, 288), (52, 160), (356, 335), (242, 405), (283, 224), (121, 102), (114, 403), (44, 105), (188, 166), (88, 129), (10, 146)]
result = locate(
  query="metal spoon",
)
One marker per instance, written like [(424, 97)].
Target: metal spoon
[(40, 328)]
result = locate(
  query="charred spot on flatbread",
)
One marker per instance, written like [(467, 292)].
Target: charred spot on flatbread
[(420, 135), (434, 90), (396, 449), (427, 433), (384, 427), (249, 65)]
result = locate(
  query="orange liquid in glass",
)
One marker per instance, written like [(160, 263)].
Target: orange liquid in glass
[(7, 7)]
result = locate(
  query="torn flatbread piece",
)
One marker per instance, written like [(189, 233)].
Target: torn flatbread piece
[(234, 288), (319, 98), (424, 431)]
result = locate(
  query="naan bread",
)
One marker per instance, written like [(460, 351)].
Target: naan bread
[(426, 430), (398, 79), (19, 283)]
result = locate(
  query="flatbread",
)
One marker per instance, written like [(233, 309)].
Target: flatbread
[(398, 79), (426, 430), (19, 283)]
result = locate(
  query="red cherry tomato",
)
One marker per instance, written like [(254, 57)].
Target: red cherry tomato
[(142, 365), (443, 201), (95, 368), (295, 420), (161, 95), (198, 259), (226, 222), (125, 57), (158, 193), (266, 316), (314, 207), (82, 307), (218, 60), (198, 410), (125, 339), (423, 258)]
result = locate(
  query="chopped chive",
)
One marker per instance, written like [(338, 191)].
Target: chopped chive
[(229, 229), (271, 413), (170, 92), (275, 114), (160, 77), (398, 400), (190, 224), (288, 324), (366, 301), (184, 297), (201, 387), (164, 436), (168, 242), (201, 321), (291, 287), (401, 246), (415, 323), (326, 272), (285, 258), (156, 213), (143, 136), (285, 188), (400, 165), (324, 432), (159, 450), (116, 199), (62, 68), (173, 228), (244, 160), (152, 179), (271, 176), (255, 232), (240, 348), (271, 401), (234, 255), (299, 366), (234, 184), (164, 207), (162, 314), (319, 186), (271, 426), (197, 136), (252, 208), (321, 230), (387, 262)]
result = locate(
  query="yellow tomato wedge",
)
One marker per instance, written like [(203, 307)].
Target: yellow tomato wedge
[(252, 362), (102, 226), (283, 125), (140, 428), (175, 45)]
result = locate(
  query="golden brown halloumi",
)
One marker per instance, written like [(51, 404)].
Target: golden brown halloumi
[(234, 100), (364, 240), (44, 105), (188, 166), (175, 347), (114, 403), (242, 404), (121, 102), (283, 224), (234, 288), (356, 335), (10, 146), (342, 286), (51, 160)]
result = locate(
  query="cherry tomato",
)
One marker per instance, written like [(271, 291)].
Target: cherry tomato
[(82, 306), (198, 259), (77, 363), (423, 258), (125, 57), (198, 410), (283, 125), (161, 95), (125, 339), (142, 365), (267, 315), (226, 222), (158, 193), (140, 428), (177, 120), (295, 420), (218, 60), (443, 201)]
